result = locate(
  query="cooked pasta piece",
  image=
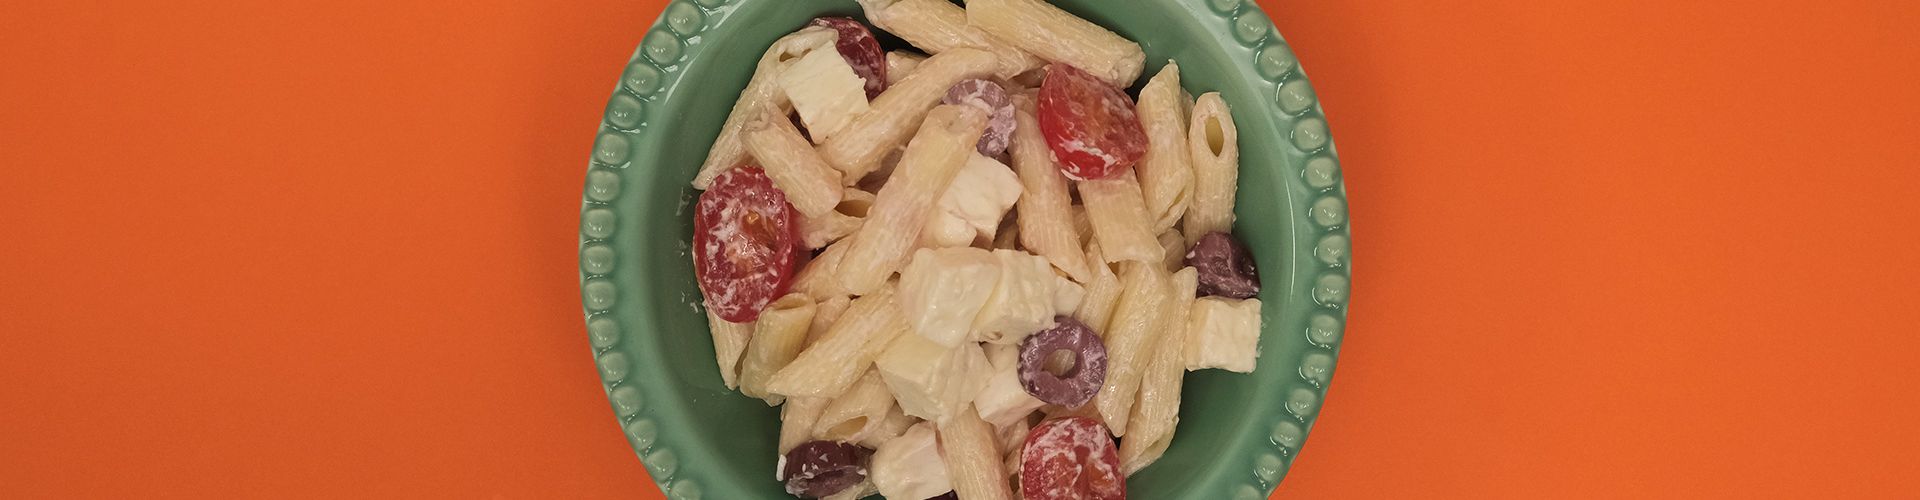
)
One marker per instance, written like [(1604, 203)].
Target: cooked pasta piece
[(778, 336), (1133, 332), (859, 146), (844, 219), (832, 364), (1166, 172), (973, 460), (901, 209), (857, 412), (1173, 250), (1058, 36), (1083, 226), (762, 93), (729, 343), (1157, 412), (820, 278), (892, 427), (1046, 222), (938, 26), (1096, 307), (855, 492), (910, 466), (1214, 144), (901, 63), (1223, 333), (809, 184), (1118, 214), (825, 314), (797, 417)]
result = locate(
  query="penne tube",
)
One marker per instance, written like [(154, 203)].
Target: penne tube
[(825, 313), (973, 461), (796, 421), (1044, 215), (729, 343), (1214, 145), (901, 209), (844, 219), (762, 93), (832, 364), (855, 492), (1157, 411), (1061, 37), (818, 278), (1132, 334), (856, 413), (790, 161), (857, 148), (895, 424), (778, 336), (1118, 214), (1166, 172), (1082, 225), (1173, 250), (1096, 307), (901, 63), (938, 26)]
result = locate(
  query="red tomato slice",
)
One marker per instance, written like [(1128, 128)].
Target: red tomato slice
[(861, 51), (1071, 458), (744, 244), (1090, 125)]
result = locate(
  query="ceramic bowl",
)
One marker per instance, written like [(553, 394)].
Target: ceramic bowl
[(1238, 433)]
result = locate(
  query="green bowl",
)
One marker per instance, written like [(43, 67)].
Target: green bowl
[(1238, 433)]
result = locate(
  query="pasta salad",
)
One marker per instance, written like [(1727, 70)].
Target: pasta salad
[(962, 271)]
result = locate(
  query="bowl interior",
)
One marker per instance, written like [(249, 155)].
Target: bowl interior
[(1238, 432)]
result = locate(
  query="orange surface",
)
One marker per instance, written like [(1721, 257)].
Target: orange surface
[(1623, 248)]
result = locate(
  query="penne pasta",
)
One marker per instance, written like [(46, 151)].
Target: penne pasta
[(938, 26), (901, 63), (810, 185), (1083, 225), (762, 93), (857, 148), (1133, 331), (797, 417), (825, 313), (1044, 217), (778, 336), (729, 343), (1166, 172), (844, 219), (901, 209), (1173, 251), (1157, 411), (855, 492), (832, 364), (856, 413), (1118, 214), (1213, 142), (818, 278), (1096, 307), (1058, 36), (890, 428), (973, 461)]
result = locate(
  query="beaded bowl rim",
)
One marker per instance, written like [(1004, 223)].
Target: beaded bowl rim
[(1294, 108)]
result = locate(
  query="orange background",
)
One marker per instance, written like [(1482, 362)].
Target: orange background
[(1615, 248)]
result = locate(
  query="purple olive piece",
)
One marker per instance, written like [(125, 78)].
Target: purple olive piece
[(1076, 384), (1226, 267), (947, 496), (816, 469), (991, 97)]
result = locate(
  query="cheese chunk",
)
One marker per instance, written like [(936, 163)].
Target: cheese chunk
[(942, 290), (1067, 296), (910, 466), (1223, 333), (1004, 402), (826, 92), (933, 381), (971, 209), (1022, 300)]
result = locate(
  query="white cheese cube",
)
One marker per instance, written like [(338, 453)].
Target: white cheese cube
[(1223, 333), (971, 209), (1004, 401), (932, 381), (825, 90), (910, 466), (1022, 300), (942, 290)]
